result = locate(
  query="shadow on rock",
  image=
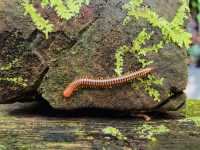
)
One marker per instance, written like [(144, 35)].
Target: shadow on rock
[(41, 108)]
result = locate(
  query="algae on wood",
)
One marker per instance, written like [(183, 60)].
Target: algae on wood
[(36, 126)]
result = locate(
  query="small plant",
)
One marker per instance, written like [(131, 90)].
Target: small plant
[(192, 112), (114, 132), (196, 120), (68, 9), (149, 132), (137, 50), (64, 9), (147, 85), (43, 25), (172, 31), (119, 57)]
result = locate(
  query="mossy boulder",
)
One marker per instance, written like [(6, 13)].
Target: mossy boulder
[(21, 71), (86, 46)]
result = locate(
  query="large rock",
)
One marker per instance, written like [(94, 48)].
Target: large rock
[(21, 69), (86, 45)]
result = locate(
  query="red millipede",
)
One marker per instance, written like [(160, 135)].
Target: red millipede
[(105, 83)]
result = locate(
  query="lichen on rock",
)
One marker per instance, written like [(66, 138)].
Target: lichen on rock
[(86, 46)]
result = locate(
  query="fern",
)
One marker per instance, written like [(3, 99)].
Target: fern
[(180, 17), (154, 49), (147, 84), (137, 50), (144, 62), (61, 9), (140, 52), (71, 9), (120, 60), (172, 31), (139, 41), (64, 9), (44, 2), (38, 20)]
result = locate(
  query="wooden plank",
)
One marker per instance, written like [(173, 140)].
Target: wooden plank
[(27, 126)]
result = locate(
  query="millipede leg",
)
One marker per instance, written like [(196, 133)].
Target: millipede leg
[(141, 115), (146, 117), (106, 83)]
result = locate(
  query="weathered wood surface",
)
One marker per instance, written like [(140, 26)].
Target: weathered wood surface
[(36, 126)]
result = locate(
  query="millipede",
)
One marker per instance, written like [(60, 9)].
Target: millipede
[(105, 83)]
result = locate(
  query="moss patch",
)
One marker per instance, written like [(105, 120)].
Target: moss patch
[(114, 132), (149, 132), (192, 111), (192, 108), (15, 80), (10, 65)]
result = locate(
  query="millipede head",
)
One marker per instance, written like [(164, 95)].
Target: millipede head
[(68, 91)]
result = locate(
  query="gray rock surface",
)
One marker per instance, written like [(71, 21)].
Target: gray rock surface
[(86, 45)]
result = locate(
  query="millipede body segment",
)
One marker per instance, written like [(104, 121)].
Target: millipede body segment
[(105, 83)]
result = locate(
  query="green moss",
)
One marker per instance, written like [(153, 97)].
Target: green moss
[(3, 147), (79, 132), (196, 120), (149, 132), (192, 108), (6, 67), (15, 80), (192, 111), (114, 132), (9, 66)]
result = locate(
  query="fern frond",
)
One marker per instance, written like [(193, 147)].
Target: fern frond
[(172, 31), (41, 24), (65, 10), (44, 3), (120, 60), (68, 9)]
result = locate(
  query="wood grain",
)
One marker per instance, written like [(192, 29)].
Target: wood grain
[(38, 126)]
